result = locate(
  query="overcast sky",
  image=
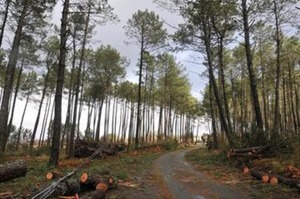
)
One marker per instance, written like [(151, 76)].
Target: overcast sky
[(114, 35)]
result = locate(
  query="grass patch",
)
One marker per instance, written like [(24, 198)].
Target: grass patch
[(122, 167)]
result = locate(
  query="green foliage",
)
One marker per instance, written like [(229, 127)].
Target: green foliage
[(146, 29), (169, 143), (122, 174)]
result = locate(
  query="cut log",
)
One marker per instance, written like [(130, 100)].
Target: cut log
[(98, 195), (53, 175), (12, 170), (254, 152), (245, 150), (273, 180), (245, 169), (294, 172), (101, 187), (293, 183), (259, 175), (90, 181), (68, 187)]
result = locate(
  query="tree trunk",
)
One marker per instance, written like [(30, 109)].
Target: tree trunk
[(97, 138), (213, 118), (138, 121), (10, 73), (253, 85), (39, 112), (130, 133), (4, 21), (54, 155), (207, 41), (77, 89), (50, 130), (292, 100), (276, 128), (89, 117), (5, 138), (223, 83), (21, 123), (42, 133)]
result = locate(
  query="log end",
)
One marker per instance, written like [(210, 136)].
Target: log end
[(84, 177), (273, 180), (101, 187), (245, 169), (49, 176), (265, 178)]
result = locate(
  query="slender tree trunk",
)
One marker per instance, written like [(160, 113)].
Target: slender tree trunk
[(284, 105), (207, 41), (10, 73), (73, 128), (223, 83), (54, 154), (131, 124), (88, 123), (97, 138), (4, 20), (5, 138), (292, 99), (263, 89), (39, 111), (44, 121), (160, 118), (253, 85), (50, 130), (276, 128), (138, 122), (21, 123), (213, 119)]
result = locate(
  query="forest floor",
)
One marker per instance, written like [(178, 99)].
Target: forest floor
[(216, 165), (155, 174)]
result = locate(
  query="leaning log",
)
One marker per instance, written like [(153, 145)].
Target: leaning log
[(12, 170), (259, 175)]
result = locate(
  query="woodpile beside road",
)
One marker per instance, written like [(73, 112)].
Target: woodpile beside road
[(246, 155)]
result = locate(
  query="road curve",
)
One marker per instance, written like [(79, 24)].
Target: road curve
[(186, 183)]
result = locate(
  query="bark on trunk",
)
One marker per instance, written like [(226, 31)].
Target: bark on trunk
[(5, 138), (252, 76), (10, 73), (54, 155), (39, 112), (12, 170), (4, 21)]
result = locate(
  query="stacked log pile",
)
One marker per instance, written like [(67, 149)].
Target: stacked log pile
[(248, 154), (84, 149), (251, 152), (12, 170), (99, 183)]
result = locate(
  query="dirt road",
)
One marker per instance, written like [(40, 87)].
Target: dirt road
[(186, 183)]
